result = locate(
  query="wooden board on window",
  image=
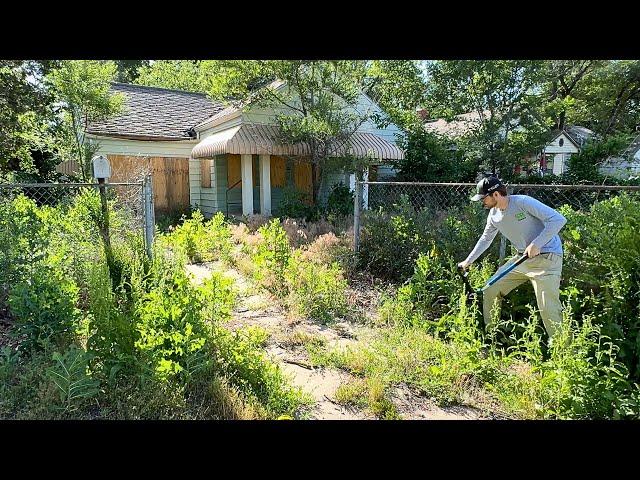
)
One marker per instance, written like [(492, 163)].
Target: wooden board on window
[(302, 177), (170, 178), (205, 173), (233, 170), (278, 172)]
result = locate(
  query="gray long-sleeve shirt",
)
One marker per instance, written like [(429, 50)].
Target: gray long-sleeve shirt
[(524, 221)]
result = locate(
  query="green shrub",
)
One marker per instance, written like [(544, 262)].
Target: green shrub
[(44, 307), (603, 266), (24, 240), (316, 291), (271, 258), (296, 204), (340, 201), (171, 323), (391, 241), (240, 358), (199, 240)]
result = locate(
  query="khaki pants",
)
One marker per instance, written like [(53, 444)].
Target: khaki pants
[(544, 273)]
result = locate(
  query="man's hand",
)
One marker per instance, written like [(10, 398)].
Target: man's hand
[(532, 250), (463, 265)]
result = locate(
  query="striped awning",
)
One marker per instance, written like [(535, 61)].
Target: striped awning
[(257, 139)]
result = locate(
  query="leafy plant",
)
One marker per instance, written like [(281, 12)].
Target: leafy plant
[(71, 379)]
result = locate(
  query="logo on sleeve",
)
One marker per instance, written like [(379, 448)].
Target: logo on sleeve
[(521, 216)]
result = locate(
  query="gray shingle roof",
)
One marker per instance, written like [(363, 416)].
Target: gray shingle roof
[(156, 113)]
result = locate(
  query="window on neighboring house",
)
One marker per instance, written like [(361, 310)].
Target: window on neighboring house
[(549, 168), (567, 156), (561, 142)]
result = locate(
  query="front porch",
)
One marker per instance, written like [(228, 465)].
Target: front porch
[(243, 171)]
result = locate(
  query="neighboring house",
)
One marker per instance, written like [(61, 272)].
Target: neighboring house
[(553, 158), (627, 164), (461, 125), (222, 159)]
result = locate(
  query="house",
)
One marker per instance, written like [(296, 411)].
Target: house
[(152, 136), (553, 158), (224, 158), (625, 165)]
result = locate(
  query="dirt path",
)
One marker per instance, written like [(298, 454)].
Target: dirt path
[(285, 347)]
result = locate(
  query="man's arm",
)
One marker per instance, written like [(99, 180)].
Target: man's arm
[(490, 232), (552, 220)]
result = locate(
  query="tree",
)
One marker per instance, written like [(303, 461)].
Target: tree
[(315, 102), (431, 158), (502, 96), (562, 78), (399, 87), (187, 75), (82, 87), (24, 109), (608, 100), (129, 70)]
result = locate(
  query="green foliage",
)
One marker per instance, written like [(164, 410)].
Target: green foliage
[(44, 306), (500, 92), (240, 358), (24, 238), (172, 325), (316, 291), (199, 240), (69, 374), (398, 86), (584, 165), (340, 201), (25, 109), (187, 75), (271, 258), (83, 89), (392, 241), (602, 266), (296, 204), (430, 158)]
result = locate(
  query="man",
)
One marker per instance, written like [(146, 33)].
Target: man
[(532, 227)]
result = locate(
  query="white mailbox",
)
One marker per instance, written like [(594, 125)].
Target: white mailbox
[(101, 167)]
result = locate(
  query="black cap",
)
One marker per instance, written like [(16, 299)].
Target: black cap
[(485, 187)]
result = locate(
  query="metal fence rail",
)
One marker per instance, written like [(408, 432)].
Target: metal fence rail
[(441, 197)]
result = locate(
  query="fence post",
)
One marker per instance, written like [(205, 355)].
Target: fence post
[(149, 215), (357, 202)]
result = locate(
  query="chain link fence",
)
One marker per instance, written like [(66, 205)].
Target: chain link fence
[(131, 204), (439, 198)]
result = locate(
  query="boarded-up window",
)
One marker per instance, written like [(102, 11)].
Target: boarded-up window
[(302, 177), (278, 172), (233, 170), (205, 173)]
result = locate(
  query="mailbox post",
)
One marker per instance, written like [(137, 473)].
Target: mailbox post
[(102, 171)]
